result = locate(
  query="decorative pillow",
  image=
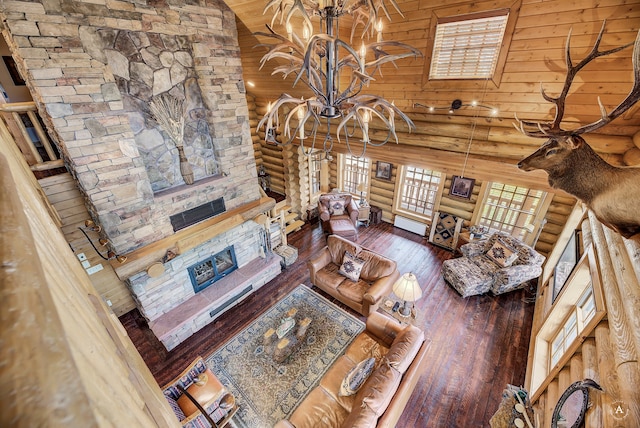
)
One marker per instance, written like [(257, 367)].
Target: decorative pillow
[(351, 266), (357, 377), (501, 255), (176, 408), (336, 207), (205, 388)]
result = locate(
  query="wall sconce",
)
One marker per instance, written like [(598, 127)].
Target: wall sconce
[(90, 224), (456, 105)]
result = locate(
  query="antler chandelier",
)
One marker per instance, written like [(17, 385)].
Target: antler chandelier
[(319, 60)]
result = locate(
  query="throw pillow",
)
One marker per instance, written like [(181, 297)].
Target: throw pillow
[(501, 254), (337, 206), (357, 377), (204, 389), (351, 266), (176, 408)]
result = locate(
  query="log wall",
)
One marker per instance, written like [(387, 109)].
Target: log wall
[(66, 359), (63, 193), (609, 355), (279, 161)]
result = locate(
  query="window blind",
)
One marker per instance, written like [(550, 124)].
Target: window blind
[(467, 49)]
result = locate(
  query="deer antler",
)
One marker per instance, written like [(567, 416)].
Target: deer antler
[(552, 129)]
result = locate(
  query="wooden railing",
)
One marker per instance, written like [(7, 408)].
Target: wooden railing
[(41, 154)]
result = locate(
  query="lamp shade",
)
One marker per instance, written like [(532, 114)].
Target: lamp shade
[(407, 288), (360, 187)]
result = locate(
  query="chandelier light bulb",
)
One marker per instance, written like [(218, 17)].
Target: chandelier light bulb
[(379, 30), (363, 52), (289, 31)]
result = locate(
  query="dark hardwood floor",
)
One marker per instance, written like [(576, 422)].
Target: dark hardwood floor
[(479, 344)]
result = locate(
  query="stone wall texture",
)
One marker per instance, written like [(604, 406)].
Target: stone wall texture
[(91, 66)]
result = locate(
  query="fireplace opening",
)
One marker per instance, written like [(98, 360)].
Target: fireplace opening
[(216, 267)]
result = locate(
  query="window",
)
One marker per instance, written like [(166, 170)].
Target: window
[(467, 47), (315, 163), (353, 172), (580, 316), (511, 209), (419, 190), (573, 316)]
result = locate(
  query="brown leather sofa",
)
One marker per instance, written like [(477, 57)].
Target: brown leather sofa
[(344, 222), (375, 282), (399, 351)]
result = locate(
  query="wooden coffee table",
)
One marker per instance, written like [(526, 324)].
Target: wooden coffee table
[(283, 340)]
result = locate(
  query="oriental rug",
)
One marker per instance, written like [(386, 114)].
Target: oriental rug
[(267, 391)]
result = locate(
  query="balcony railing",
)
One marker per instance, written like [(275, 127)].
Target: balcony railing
[(21, 120)]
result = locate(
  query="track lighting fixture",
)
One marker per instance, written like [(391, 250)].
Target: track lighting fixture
[(458, 104), (90, 225)]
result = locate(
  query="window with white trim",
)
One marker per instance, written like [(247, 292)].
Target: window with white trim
[(315, 164), (418, 191), (355, 170), (580, 316), (511, 209), (467, 47), (572, 317)]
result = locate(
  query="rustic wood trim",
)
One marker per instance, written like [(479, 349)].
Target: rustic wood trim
[(140, 259), (32, 328)]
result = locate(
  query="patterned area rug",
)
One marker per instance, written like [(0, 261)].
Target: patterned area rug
[(267, 391)]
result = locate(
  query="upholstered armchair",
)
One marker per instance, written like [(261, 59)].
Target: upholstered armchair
[(498, 264), (339, 215)]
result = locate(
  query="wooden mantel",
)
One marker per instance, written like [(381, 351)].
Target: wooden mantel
[(191, 237)]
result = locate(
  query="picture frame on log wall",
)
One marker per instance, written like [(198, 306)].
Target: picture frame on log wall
[(461, 187), (383, 170)]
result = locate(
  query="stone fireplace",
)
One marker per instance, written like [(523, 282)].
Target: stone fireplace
[(170, 302), (92, 69)]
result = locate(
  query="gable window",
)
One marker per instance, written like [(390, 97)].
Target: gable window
[(511, 209), (467, 47), (419, 190), (353, 172)]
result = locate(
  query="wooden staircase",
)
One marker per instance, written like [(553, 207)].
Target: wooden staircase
[(289, 221)]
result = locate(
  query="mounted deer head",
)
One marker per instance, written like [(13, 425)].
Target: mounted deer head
[(612, 193)]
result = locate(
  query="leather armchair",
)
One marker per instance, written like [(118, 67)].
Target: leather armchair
[(341, 222)]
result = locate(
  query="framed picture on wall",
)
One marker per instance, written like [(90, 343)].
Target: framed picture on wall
[(13, 70), (567, 262), (462, 187), (383, 170)]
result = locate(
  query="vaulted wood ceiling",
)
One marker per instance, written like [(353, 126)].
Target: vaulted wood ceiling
[(534, 56)]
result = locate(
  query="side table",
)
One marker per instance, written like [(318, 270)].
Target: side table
[(386, 307), (376, 214)]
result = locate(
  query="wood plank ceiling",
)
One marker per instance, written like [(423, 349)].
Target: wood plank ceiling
[(535, 55)]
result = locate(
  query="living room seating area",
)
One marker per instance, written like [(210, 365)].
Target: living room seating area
[(499, 264), (398, 351), (356, 276)]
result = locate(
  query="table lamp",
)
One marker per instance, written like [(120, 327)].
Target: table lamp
[(360, 188), (408, 290)]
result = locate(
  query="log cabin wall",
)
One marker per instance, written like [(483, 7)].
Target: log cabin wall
[(276, 160), (54, 318), (63, 193), (608, 354)]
